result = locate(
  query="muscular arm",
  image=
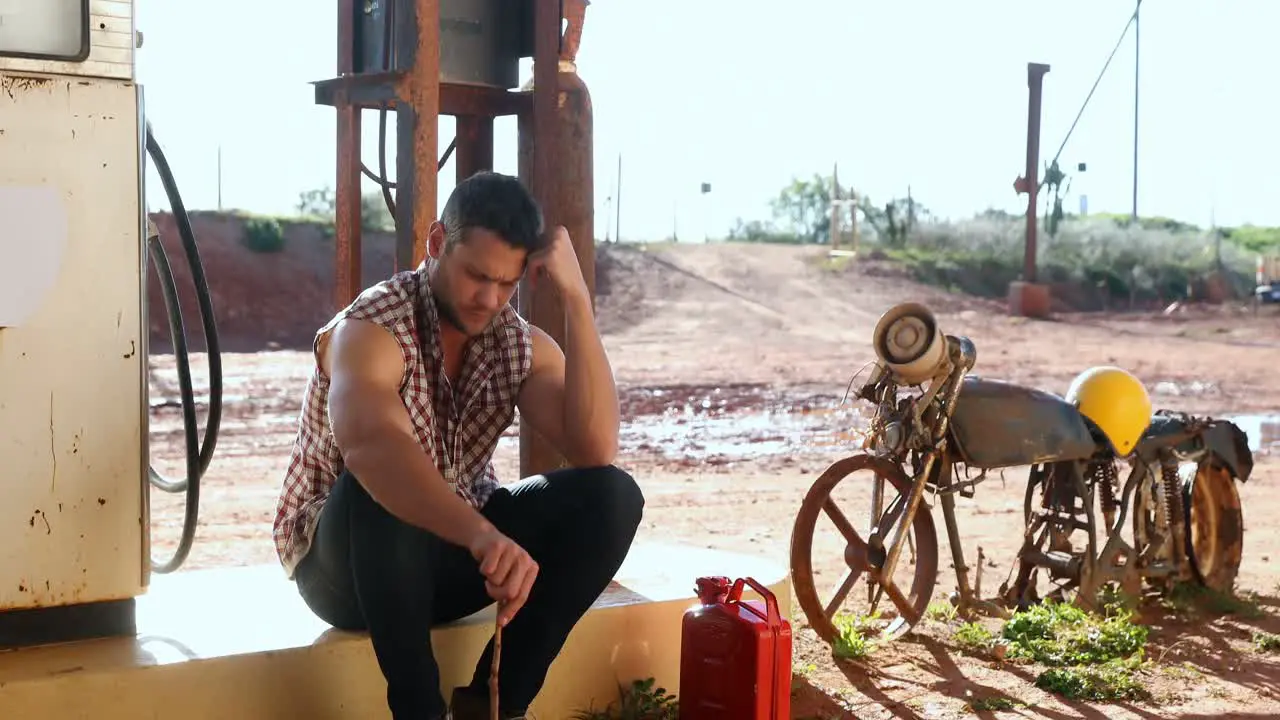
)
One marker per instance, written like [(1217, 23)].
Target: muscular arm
[(570, 397), (376, 437)]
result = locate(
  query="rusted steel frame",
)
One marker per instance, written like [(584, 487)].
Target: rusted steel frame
[(366, 90), (458, 100), (371, 90), (417, 146), (546, 77), (475, 145), (347, 210), (1035, 85), (347, 220)]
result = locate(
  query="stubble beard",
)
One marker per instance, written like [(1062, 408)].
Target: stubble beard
[(449, 314)]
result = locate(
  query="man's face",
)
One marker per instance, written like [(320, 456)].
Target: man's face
[(475, 278)]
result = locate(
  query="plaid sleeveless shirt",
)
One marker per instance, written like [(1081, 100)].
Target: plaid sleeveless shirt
[(457, 427)]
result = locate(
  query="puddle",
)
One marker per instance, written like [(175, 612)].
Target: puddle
[(1263, 431), (703, 424), (1196, 388), (728, 423), (739, 435), (697, 426)]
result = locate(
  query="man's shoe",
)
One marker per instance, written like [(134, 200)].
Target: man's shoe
[(471, 704)]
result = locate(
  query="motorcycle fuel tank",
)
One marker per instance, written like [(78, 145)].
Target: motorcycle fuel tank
[(998, 424)]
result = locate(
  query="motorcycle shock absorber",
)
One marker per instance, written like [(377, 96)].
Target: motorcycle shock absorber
[(1106, 477), (1171, 485)]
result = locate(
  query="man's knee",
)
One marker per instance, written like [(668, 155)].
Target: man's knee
[(618, 496)]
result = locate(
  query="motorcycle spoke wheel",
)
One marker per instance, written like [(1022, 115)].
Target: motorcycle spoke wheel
[(844, 552)]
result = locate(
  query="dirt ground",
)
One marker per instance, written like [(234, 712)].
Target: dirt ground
[(733, 361)]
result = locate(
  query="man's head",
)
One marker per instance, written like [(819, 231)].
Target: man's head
[(489, 227)]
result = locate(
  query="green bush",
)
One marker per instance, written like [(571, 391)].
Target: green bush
[(263, 235), (1095, 263)]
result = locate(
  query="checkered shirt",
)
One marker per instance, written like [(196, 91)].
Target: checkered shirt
[(459, 429)]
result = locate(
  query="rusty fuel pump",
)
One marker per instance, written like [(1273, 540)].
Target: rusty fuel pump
[(425, 58)]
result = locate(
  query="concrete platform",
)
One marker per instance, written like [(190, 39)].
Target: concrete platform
[(239, 643)]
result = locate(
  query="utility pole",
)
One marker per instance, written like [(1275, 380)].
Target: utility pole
[(1136, 55), (834, 240), (219, 177)]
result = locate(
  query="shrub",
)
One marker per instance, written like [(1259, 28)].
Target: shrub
[(263, 235)]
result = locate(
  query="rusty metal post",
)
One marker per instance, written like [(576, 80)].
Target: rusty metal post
[(560, 129), (1035, 86), (417, 131), (347, 215), (475, 145), (1027, 297)]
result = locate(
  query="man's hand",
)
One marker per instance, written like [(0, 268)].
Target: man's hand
[(508, 570), (559, 263)]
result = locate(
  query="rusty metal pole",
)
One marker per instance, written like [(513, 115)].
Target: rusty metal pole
[(556, 160), (347, 215), (475, 145), (417, 131), (1035, 86), (1027, 297)]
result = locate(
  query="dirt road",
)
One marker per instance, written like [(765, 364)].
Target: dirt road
[(733, 361)]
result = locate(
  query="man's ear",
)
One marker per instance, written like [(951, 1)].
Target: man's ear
[(435, 240)]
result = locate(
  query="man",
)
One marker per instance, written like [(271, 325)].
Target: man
[(391, 519)]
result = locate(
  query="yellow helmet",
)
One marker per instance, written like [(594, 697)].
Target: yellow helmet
[(1116, 402)]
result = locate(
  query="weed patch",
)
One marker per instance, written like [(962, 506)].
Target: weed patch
[(1112, 680), (1266, 642), (972, 636), (1089, 656), (941, 611), (641, 701), (853, 639)]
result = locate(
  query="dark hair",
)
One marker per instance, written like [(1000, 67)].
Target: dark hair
[(495, 202)]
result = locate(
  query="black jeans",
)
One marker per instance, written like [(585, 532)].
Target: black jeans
[(368, 570)]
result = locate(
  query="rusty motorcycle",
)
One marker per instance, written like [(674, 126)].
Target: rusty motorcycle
[(934, 423)]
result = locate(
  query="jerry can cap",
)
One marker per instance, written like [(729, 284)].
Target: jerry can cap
[(713, 589)]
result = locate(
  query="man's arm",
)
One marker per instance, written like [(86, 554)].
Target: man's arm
[(570, 397), (377, 440)]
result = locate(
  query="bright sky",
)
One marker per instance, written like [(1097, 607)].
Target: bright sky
[(744, 94)]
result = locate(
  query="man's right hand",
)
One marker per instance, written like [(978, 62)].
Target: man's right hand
[(508, 570)]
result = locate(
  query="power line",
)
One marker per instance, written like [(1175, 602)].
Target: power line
[(1132, 21)]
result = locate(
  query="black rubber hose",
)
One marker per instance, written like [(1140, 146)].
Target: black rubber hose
[(179, 336), (199, 454)]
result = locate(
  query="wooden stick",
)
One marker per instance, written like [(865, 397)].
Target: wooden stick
[(493, 669)]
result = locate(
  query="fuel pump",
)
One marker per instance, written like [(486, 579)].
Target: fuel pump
[(74, 251)]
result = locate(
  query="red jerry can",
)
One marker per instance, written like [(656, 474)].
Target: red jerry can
[(735, 656)]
